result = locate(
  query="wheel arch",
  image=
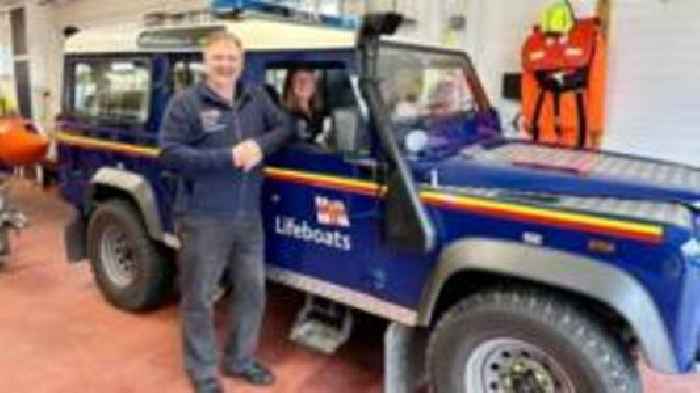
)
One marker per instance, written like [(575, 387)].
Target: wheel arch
[(483, 262), (108, 183)]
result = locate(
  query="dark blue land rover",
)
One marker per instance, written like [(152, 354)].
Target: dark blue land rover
[(507, 266)]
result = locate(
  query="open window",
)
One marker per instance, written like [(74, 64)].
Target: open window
[(322, 103), (187, 73)]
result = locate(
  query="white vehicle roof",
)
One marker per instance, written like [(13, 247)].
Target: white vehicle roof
[(256, 34)]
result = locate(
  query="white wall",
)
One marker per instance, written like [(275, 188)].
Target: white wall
[(654, 79), (7, 81), (496, 32), (43, 48), (40, 32)]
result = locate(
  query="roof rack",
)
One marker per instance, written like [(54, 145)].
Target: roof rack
[(192, 17)]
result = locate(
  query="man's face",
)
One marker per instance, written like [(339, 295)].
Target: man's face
[(224, 62)]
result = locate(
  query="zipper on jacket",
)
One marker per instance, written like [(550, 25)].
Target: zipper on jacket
[(239, 138)]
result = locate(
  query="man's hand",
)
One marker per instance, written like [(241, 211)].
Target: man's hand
[(246, 155)]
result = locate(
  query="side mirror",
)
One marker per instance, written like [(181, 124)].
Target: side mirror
[(345, 130)]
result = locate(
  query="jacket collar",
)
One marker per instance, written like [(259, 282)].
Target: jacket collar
[(242, 95)]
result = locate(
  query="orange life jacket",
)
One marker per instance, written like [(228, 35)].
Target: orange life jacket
[(563, 86)]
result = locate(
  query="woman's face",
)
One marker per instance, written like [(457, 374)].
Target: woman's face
[(304, 84)]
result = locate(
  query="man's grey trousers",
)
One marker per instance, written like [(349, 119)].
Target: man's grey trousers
[(209, 246)]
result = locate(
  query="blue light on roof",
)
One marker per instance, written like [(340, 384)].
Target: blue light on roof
[(291, 10)]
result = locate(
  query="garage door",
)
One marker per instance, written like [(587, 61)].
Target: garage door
[(654, 79)]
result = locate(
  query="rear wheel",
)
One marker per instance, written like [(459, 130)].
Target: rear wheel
[(129, 268), (526, 342)]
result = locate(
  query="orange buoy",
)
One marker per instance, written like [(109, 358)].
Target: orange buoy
[(19, 145)]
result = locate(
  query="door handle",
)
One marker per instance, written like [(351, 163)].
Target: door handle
[(369, 167)]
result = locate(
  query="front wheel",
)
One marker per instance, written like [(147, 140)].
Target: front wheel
[(526, 341), (129, 267)]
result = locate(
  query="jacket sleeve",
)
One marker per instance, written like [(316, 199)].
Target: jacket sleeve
[(177, 136), (278, 130)]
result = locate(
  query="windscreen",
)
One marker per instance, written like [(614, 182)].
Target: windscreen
[(433, 99)]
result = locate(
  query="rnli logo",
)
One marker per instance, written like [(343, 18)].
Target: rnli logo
[(331, 213)]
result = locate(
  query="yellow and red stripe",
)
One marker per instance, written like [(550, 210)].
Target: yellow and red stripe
[(643, 232), (323, 181), (648, 233), (99, 144)]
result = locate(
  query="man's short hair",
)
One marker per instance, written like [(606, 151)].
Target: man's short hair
[(222, 36)]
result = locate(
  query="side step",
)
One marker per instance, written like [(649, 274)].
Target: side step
[(322, 325)]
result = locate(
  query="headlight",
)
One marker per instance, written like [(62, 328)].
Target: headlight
[(416, 141)]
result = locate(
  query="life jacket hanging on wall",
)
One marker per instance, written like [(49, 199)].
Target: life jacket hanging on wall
[(563, 85)]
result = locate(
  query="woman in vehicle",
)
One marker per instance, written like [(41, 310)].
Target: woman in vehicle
[(301, 99)]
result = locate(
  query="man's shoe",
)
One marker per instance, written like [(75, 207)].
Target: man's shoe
[(207, 385), (255, 374)]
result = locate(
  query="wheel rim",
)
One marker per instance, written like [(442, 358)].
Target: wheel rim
[(117, 256), (507, 365)]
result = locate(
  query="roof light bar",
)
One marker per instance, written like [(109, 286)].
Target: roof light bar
[(328, 13)]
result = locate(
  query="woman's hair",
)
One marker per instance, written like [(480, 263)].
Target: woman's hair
[(292, 102)]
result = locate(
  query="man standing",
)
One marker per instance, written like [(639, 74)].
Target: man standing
[(214, 135)]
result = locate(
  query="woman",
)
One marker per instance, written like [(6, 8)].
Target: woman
[(300, 98)]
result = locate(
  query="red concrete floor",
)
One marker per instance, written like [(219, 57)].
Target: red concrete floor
[(58, 335)]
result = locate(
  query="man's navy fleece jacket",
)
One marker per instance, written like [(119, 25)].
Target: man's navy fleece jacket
[(197, 135)]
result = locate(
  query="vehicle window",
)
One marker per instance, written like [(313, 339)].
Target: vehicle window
[(311, 94), (275, 78), (186, 74), (85, 99), (425, 85), (431, 98), (117, 90)]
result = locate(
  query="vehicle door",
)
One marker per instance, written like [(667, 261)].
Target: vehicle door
[(321, 196)]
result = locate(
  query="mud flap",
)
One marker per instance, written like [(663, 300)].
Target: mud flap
[(4, 242), (404, 359), (74, 239)]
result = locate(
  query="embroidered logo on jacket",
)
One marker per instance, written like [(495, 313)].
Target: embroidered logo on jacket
[(210, 120)]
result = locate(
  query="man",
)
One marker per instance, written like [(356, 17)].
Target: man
[(214, 136)]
